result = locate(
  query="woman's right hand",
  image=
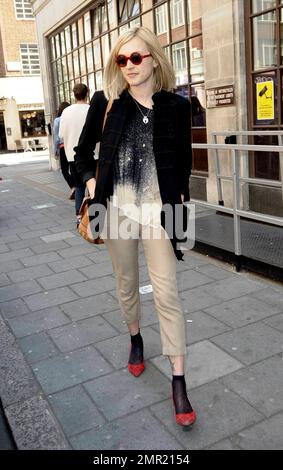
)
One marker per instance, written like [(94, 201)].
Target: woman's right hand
[(91, 187)]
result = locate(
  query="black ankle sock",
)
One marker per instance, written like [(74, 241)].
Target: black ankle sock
[(180, 397), (136, 355)]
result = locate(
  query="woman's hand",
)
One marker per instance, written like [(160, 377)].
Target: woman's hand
[(90, 184), (182, 198)]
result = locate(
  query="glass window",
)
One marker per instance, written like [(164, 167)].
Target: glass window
[(111, 14), (23, 10), (180, 63), (91, 84), (76, 64), (105, 48), (30, 59), (82, 60), (32, 123), (194, 16), (261, 5), (96, 54), (264, 40), (87, 24), (196, 59), (70, 66), (74, 35), (65, 69), (68, 39), (99, 80), (177, 13), (161, 17), (89, 58)]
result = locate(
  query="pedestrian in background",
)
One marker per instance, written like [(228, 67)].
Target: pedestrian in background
[(71, 124), (59, 151), (144, 163)]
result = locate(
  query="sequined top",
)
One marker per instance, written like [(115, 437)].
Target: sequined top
[(135, 175)]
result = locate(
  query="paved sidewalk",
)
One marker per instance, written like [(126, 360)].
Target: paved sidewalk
[(64, 348)]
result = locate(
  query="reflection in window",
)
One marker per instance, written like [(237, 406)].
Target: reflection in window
[(70, 66), (76, 64), (177, 13), (91, 84), (96, 54), (74, 35), (128, 9), (261, 5), (161, 19), (87, 25), (68, 39), (99, 80), (82, 60), (264, 39), (196, 59), (180, 63), (89, 58), (105, 48), (194, 16)]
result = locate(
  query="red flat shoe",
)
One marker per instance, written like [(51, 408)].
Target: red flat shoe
[(136, 369)]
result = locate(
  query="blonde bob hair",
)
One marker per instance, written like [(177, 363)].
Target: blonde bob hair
[(163, 72)]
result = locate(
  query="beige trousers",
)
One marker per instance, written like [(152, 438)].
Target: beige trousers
[(161, 263)]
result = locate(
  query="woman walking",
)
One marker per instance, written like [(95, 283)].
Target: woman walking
[(144, 164)]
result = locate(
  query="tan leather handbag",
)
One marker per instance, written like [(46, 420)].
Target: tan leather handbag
[(84, 227)]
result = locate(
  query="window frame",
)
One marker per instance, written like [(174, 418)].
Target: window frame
[(26, 15)]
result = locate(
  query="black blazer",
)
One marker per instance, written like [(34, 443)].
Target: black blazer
[(171, 146)]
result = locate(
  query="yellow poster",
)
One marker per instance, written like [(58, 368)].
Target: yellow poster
[(265, 101)]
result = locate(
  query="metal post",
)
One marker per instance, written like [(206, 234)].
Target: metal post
[(280, 142), (217, 173), (236, 207)]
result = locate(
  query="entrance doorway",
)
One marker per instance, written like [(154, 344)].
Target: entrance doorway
[(3, 140)]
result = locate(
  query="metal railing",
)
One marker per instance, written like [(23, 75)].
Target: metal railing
[(236, 179), (214, 135)]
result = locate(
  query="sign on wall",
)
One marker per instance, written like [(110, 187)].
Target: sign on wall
[(220, 96), (265, 98)]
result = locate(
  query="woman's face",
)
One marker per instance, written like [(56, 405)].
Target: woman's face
[(137, 75)]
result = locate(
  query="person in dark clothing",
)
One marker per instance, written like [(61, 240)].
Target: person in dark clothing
[(144, 164), (59, 151)]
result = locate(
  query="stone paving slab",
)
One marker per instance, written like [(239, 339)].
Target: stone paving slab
[(35, 322), (50, 299), (64, 371), (66, 265), (220, 413), (129, 394), (204, 363), (80, 334), (75, 411), (251, 343), (90, 306), (13, 308), (260, 385), (242, 311), (37, 347), (124, 434), (263, 436)]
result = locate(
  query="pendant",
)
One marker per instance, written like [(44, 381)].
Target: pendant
[(145, 119)]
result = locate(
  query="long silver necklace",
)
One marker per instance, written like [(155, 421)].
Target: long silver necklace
[(145, 116)]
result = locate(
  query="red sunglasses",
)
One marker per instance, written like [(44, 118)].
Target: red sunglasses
[(136, 58)]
